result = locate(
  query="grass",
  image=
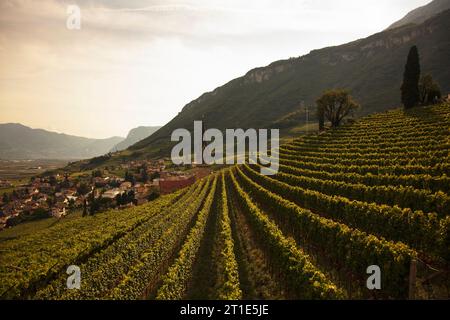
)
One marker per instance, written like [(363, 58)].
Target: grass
[(81, 174), (6, 190), (15, 183), (304, 128), (27, 228)]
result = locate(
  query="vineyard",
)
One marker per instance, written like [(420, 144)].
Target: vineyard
[(374, 192)]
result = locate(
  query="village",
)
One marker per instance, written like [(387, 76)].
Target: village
[(124, 185)]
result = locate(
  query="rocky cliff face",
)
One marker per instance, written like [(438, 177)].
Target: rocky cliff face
[(265, 74)]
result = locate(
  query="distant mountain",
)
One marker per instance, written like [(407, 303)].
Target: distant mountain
[(371, 68), (421, 14), (20, 142), (135, 135)]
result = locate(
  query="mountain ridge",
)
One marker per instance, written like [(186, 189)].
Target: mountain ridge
[(371, 68), (18, 141), (135, 135), (423, 13)]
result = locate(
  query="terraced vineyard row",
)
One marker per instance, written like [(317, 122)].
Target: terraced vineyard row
[(112, 269), (27, 264), (375, 192)]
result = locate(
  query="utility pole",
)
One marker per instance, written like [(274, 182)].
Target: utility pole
[(302, 104)]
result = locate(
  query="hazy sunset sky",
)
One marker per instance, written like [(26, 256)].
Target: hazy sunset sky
[(138, 62)]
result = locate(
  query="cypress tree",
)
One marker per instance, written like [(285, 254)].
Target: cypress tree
[(411, 76), (84, 208)]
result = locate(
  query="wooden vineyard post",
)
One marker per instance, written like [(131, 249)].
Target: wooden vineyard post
[(412, 279)]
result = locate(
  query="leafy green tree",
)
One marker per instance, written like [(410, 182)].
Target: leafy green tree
[(335, 105), (66, 182), (51, 201), (71, 204), (430, 92), (410, 87), (130, 177), (154, 175), (130, 197), (144, 174), (53, 181), (119, 200), (93, 203), (5, 198), (14, 195), (85, 211), (83, 188), (97, 174), (153, 195)]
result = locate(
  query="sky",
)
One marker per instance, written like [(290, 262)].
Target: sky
[(138, 62)]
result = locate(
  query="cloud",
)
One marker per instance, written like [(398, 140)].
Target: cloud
[(138, 62)]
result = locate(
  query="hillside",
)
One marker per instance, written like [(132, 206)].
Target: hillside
[(371, 68), (375, 192), (135, 135), (20, 142), (421, 14)]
